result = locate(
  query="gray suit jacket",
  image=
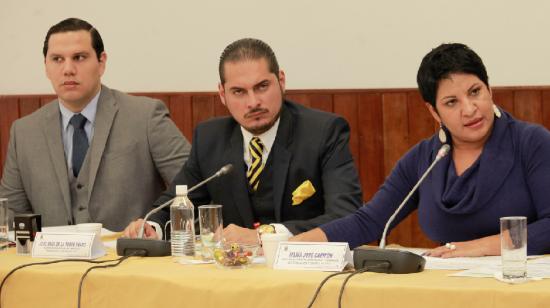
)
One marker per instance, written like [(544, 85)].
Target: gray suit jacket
[(136, 150)]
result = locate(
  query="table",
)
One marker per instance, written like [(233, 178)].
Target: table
[(160, 282)]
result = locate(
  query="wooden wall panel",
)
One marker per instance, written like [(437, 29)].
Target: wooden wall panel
[(528, 105), (396, 142), (165, 98), (371, 143), (9, 112), (421, 124), (219, 109), (346, 105), (180, 109), (28, 105), (504, 99), (314, 100), (203, 108), (45, 99), (300, 98), (384, 124), (321, 101), (546, 108), (396, 132)]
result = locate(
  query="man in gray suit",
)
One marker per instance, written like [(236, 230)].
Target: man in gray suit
[(94, 154)]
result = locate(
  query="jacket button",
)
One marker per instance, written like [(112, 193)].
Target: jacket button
[(79, 186), (81, 208)]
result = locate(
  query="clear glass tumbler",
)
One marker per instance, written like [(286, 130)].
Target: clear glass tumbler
[(211, 229), (513, 247), (4, 242)]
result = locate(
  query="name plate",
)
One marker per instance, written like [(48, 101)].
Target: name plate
[(67, 245), (313, 256)]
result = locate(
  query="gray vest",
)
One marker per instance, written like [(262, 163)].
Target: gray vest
[(79, 193)]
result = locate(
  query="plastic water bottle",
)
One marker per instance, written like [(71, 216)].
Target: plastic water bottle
[(182, 217)]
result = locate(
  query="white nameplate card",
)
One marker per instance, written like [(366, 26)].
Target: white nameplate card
[(65, 245), (314, 256)]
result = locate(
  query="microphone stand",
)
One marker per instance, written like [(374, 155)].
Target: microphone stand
[(152, 247), (384, 260)]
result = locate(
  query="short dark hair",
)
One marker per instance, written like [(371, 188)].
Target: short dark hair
[(248, 49), (75, 24), (444, 60)]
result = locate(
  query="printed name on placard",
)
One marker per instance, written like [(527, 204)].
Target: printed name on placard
[(67, 245), (312, 256)]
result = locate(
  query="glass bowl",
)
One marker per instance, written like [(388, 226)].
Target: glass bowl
[(235, 255)]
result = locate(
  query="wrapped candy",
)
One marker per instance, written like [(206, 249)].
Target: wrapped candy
[(235, 255)]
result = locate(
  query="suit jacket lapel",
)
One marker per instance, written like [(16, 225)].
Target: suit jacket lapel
[(238, 177), (281, 157), (105, 115), (52, 133)]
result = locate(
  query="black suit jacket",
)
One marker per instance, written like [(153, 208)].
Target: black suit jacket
[(310, 145)]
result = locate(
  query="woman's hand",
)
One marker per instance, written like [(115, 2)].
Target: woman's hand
[(315, 235), (486, 246)]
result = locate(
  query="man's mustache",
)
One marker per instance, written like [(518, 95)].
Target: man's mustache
[(254, 112)]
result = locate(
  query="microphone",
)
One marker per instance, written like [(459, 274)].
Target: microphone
[(395, 261), (223, 170), (157, 248)]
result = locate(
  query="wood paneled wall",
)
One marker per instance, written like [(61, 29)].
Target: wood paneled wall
[(384, 125)]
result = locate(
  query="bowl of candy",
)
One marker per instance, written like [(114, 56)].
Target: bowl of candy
[(235, 255)]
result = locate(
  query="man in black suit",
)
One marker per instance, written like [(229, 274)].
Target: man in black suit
[(291, 165)]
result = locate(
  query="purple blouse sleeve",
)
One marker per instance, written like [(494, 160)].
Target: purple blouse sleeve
[(535, 153), (367, 223)]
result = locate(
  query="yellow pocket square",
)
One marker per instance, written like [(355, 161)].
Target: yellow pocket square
[(304, 191)]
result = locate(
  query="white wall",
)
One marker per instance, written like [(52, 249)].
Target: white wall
[(168, 45)]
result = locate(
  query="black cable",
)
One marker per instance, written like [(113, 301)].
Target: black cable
[(119, 260), (321, 285), (44, 263), (359, 271), (365, 269)]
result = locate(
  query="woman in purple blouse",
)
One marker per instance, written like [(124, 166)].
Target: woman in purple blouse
[(498, 166)]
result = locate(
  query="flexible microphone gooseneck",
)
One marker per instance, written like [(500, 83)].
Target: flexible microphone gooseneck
[(398, 262), (223, 170), (440, 154), (152, 247)]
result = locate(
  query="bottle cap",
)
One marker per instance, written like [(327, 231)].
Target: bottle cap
[(181, 190)]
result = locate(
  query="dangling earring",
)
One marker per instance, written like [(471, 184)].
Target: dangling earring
[(498, 114), (442, 135)]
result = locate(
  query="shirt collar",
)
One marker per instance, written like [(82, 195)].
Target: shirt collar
[(267, 137), (89, 111)]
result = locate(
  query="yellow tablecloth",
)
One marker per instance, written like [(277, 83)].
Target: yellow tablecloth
[(160, 282)]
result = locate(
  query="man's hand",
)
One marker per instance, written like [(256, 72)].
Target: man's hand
[(236, 234), (133, 229)]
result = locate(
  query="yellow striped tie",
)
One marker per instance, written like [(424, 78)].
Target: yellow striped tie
[(256, 148)]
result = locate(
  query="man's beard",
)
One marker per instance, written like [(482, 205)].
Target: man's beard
[(264, 128)]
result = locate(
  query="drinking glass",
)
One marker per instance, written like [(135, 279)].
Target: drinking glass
[(4, 242), (211, 229), (513, 247)]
